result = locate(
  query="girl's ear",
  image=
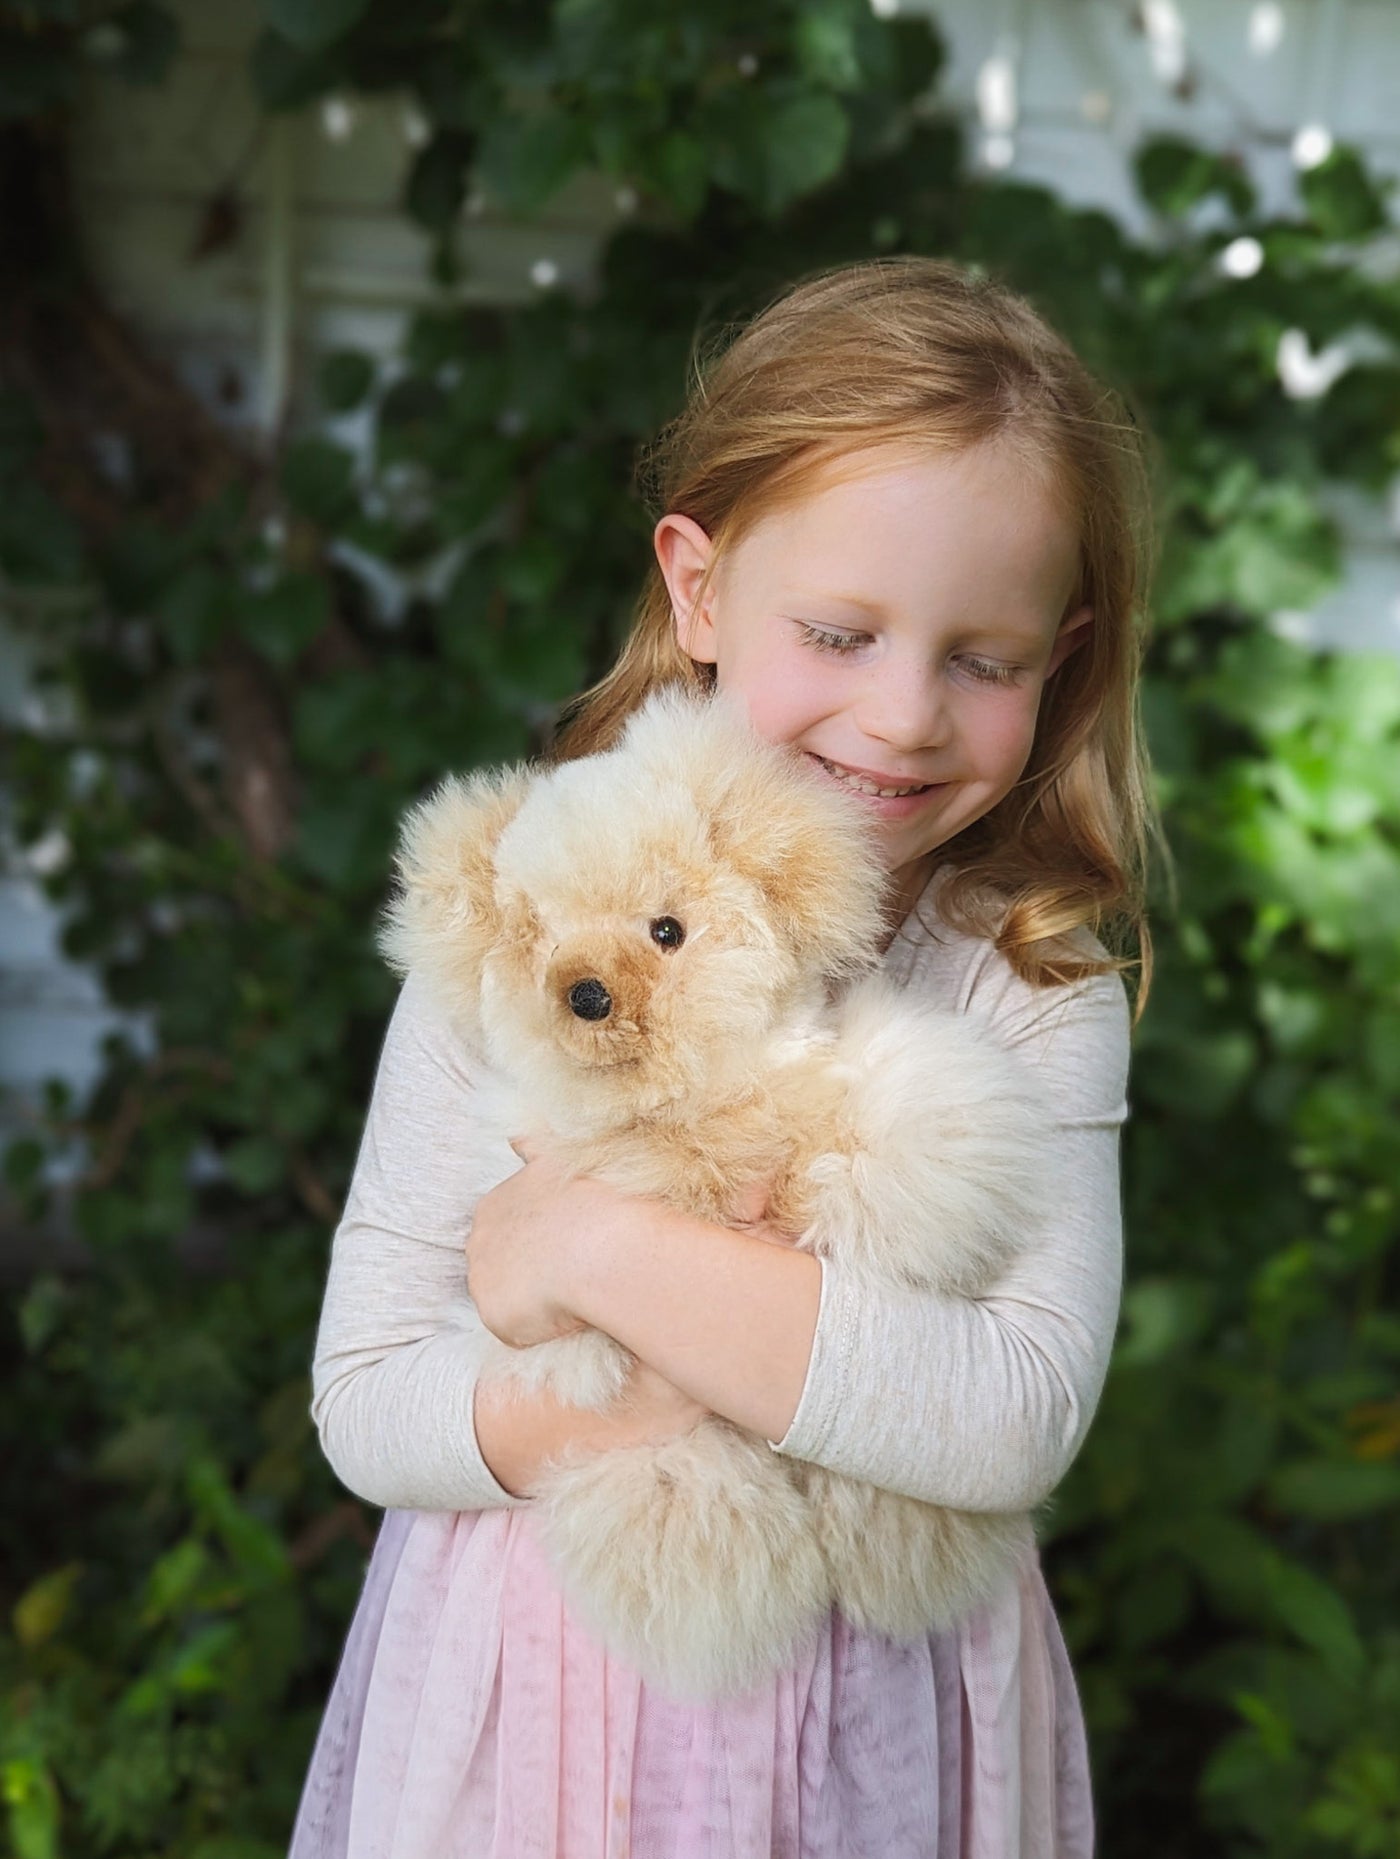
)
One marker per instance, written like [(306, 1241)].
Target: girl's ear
[(683, 551), (1072, 633)]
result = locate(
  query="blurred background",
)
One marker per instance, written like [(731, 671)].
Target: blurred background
[(328, 332)]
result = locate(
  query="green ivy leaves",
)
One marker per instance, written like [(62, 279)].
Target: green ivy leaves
[(676, 107), (312, 24), (775, 149), (344, 378), (1345, 200), (1175, 175)]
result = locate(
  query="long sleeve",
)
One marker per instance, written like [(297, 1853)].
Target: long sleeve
[(982, 1403), (399, 1342)]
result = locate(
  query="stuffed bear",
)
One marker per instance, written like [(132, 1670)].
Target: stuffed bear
[(665, 954)]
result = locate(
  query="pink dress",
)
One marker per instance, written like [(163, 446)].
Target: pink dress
[(474, 1717)]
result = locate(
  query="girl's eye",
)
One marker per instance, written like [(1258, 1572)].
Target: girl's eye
[(983, 670), (667, 933), (987, 673), (825, 641)]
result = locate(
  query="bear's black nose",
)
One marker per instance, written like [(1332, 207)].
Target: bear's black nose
[(590, 1000)]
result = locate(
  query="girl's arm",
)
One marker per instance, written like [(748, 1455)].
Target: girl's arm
[(980, 1404), (545, 1245), (519, 1437), (399, 1345)]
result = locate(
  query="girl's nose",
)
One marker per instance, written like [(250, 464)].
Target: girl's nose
[(908, 710)]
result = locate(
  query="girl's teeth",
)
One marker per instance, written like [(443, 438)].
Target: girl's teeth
[(863, 786)]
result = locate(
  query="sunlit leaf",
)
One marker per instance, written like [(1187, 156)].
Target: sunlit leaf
[(39, 1611), (32, 1806)]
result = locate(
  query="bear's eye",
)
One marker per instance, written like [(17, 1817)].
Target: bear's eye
[(667, 933)]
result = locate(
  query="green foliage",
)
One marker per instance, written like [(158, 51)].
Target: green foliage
[(1174, 175), (1223, 1552), (45, 44), (313, 23)]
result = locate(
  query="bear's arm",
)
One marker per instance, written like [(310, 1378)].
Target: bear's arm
[(982, 1403), (399, 1344)]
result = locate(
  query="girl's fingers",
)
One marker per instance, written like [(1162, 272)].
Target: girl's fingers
[(752, 1204)]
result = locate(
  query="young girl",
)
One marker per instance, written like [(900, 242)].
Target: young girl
[(908, 529)]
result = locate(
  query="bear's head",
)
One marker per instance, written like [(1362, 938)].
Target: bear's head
[(640, 917)]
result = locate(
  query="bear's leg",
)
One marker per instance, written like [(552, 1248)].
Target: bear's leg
[(904, 1568), (693, 1559)]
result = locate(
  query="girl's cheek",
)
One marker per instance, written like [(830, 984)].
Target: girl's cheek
[(1003, 730), (781, 689)]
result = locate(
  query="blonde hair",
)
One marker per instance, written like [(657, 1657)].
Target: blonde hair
[(911, 351)]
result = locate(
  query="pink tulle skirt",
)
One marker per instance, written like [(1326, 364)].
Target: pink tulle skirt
[(473, 1717)]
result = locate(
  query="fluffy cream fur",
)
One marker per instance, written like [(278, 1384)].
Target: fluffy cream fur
[(760, 1046)]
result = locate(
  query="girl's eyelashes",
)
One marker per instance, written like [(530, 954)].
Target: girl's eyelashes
[(987, 673), (825, 641), (982, 670)]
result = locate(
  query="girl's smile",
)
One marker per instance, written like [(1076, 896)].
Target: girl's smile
[(896, 626), (877, 788)]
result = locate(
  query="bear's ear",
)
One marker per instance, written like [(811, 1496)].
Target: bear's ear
[(809, 852), (444, 918), (805, 845)]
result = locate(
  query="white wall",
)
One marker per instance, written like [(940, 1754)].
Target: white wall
[(243, 323)]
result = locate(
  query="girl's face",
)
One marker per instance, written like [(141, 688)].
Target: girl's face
[(896, 627)]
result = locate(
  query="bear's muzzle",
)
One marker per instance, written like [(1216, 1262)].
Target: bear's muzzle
[(600, 989)]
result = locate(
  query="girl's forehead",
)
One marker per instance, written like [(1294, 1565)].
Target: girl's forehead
[(887, 512), (923, 482)]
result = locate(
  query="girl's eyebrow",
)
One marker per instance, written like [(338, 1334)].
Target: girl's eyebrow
[(873, 607)]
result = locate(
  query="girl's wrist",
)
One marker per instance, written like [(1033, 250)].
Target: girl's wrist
[(597, 1253)]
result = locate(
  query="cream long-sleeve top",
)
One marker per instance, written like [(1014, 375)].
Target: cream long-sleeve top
[(976, 1403)]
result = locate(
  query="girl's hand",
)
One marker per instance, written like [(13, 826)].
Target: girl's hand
[(522, 1437), (530, 1231), (751, 1217), (524, 1237)]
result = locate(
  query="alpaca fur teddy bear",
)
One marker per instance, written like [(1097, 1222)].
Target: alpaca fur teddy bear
[(664, 954)]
